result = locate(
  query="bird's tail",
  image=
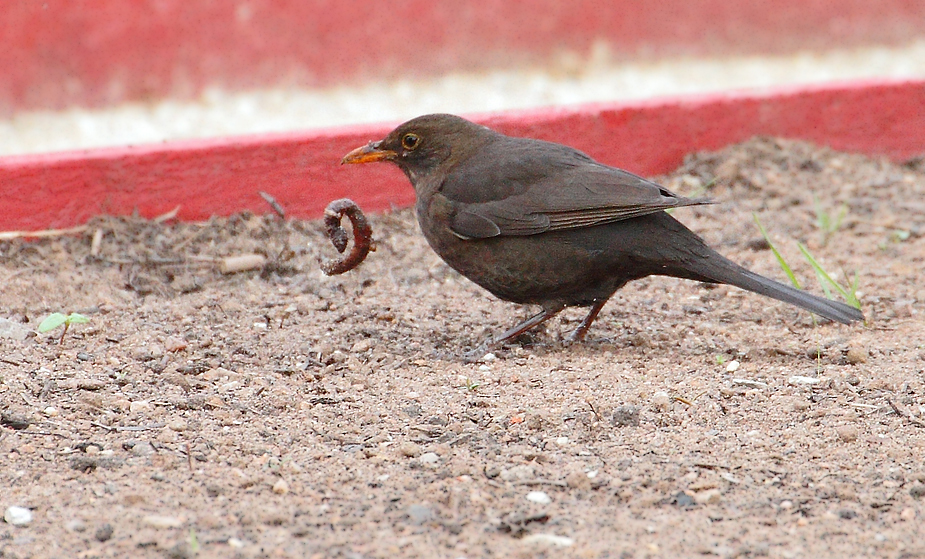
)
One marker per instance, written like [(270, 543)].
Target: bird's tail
[(723, 270)]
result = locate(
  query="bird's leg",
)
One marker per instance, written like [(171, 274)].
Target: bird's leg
[(510, 333), (579, 333)]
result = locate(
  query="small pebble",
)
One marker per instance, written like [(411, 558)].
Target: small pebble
[(732, 366), (75, 525), (578, 480), (748, 383), (708, 497), (797, 380), (420, 514), (429, 459), (548, 539), (856, 355), (625, 416), (178, 425), (489, 357), (908, 514), (50, 411), (17, 516), (786, 505), (409, 449), (847, 433), (917, 491), (139, 406), (539, 497), (103, 533), (143, 448), (847, 514), (281, 487), (518, 473), (661, 401)]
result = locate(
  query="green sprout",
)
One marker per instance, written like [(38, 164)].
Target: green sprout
[(57, 319), (826, 222), (472, 385)]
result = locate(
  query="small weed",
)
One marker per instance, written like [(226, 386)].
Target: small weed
[(720, 358), (472, 385), (193, 541), (849, 292), (54, 320), (828, 223)]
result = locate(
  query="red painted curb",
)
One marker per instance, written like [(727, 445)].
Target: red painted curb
[(61, 53), (302, 170)]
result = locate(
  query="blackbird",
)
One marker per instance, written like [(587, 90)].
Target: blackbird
[(536, 222)]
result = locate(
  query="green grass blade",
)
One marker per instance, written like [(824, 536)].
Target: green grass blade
[(780, 259), (825, 279)]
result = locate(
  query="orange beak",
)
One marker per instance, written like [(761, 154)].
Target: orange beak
[(369, 154)]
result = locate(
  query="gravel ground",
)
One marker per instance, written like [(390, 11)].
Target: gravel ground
[(282, 413), (568, 80)]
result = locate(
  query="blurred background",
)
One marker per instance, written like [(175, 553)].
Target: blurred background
[(81, 74)]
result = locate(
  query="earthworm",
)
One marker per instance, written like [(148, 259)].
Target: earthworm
[(362, 236)]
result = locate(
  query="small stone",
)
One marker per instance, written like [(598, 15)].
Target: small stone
[(801, 405), (661, 401), (281, 487), (625, 416), (786, 505), (539, 497), (409, 449), (162, 522), (103, 533), (181, 550), (798, 380), (17, 516), (748, 383), (429, 459), (708, 497), (420, 514), (51, 411), (847, 514), (548, 539), (732, 366), (519, 472), (167, 436), (847, 433), (139, 406), (143, 448), (856, 355), (75, 525), (362, 346), (178, 425), (172, 344), (917, 491), (683, 499), (578, 480), (908, 514)]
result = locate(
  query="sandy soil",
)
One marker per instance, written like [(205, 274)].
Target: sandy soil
[(286, 414)]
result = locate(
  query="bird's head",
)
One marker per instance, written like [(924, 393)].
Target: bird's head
[(426, 145)]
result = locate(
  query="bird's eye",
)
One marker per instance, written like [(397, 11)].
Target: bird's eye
[(410, 141)]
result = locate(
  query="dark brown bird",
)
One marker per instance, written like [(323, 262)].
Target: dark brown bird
[(541, 223)]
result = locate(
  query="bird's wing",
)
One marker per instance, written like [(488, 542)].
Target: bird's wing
[(532, 187)]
